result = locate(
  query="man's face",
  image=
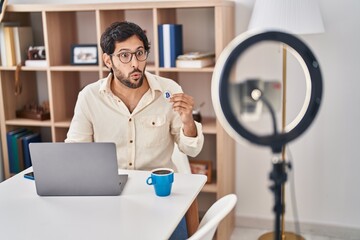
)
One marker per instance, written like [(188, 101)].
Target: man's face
[(130, 74)]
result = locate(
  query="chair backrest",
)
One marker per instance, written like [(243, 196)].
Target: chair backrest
[(212, 218), (180, 160)]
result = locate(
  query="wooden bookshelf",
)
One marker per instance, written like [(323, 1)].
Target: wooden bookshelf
[(58, 26)]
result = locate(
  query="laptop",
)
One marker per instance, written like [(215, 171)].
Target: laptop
[(76, 169)]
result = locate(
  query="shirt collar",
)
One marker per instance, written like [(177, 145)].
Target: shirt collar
[(105, 84), (154, 84)]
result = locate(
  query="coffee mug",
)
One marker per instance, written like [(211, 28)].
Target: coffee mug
[(162, 179)]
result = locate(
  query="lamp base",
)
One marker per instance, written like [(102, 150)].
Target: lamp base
[(285, 236)]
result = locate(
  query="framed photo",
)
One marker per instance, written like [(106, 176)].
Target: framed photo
[(201, 167), (84, 54)]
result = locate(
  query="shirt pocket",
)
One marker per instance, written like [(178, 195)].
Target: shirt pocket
[(154, 130)]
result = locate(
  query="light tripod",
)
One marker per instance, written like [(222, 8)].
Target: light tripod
[(224, 105)]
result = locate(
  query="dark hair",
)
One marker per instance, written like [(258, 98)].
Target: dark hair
[(119, 32)]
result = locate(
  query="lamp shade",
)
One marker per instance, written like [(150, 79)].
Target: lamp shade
[(292, 16)]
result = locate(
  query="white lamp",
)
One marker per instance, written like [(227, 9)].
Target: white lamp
[(294, 17)]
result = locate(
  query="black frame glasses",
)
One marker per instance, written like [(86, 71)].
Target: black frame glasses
[(140, 55)]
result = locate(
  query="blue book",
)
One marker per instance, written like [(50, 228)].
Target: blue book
[(9, 146), (17, 150), (170, 44), (11, 154), (35, 137), (161, 46)]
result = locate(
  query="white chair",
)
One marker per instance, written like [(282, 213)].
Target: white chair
[(180, 160), (212, 218)]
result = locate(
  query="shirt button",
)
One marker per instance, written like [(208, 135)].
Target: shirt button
[(131, 141), (129, 119), (153, 123), (130, 164)]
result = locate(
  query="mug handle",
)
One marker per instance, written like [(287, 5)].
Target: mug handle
[(149, 181)]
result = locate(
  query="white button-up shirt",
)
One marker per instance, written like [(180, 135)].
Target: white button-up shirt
[(144, 138)]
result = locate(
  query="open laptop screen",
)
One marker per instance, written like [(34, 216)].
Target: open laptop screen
[(76, 169)]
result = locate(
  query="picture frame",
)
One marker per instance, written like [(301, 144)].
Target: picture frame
[(84, 54), (201, 167)]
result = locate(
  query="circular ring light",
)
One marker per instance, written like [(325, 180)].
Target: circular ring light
[(221, 84)]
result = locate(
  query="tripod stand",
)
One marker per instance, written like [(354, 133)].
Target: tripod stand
[(226, 105), (279, 177)]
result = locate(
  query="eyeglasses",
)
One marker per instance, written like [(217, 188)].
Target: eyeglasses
[(126, 57)]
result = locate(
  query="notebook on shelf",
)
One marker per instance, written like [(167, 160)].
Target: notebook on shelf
[(76, 169)]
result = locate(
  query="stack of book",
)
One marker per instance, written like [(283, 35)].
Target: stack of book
[(18, 148), (195, 60), (15, 41)]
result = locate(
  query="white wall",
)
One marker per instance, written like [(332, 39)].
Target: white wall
[(326, 164)]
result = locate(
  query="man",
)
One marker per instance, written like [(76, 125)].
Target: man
[(143, 114)]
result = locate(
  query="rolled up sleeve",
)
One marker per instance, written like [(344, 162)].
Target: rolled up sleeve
[(191, 146)]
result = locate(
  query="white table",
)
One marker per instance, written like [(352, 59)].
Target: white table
[(136, 214)]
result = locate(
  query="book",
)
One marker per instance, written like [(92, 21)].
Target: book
[(196, 63), (9, 46), (13, 162), (196, 55), (20, 152), (170, 44), (23, 39), (10, 149), (36, 63), (34, 137), (3, 56), (2, 45), (17, 150)]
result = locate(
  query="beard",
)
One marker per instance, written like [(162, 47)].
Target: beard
[(126, 80)]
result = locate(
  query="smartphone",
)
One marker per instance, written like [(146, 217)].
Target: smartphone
[(29, 175)]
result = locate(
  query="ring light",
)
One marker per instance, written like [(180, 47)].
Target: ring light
[(221, 96)]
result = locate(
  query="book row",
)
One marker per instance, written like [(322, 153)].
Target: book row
[(18, 141), (171, 50), (17, 46)]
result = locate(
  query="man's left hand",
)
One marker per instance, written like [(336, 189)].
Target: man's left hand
[(184, 105)]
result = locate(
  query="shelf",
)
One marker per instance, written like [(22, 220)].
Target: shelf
[(209, 125), (72, 68), (205, 69), (210, 188), (207, 26), (28, 122), (13, 68), (63, 124), (23, 68), (118, 6), (150, 67)]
